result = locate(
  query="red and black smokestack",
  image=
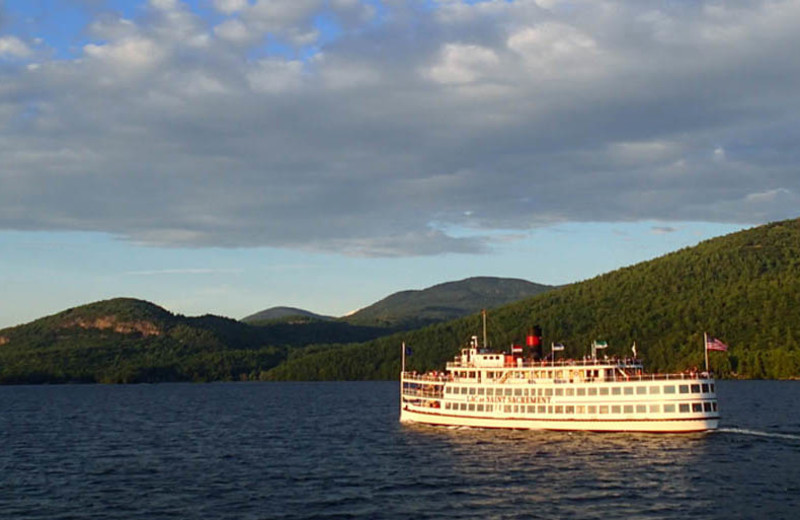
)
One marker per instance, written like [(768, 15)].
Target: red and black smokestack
[(534, 342)]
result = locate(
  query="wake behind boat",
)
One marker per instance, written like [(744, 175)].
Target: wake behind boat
[(486, 389)]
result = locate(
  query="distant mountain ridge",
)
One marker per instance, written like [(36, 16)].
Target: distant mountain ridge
[(125, 340), (443, 302), (412, 309), (283, 313)]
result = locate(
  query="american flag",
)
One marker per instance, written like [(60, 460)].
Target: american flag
[(715, 344)]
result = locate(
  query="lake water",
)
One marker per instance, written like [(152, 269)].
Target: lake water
[(337, 450)]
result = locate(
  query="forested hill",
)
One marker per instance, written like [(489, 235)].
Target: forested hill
[(414, 309), (743, 288), (277, 314), (127, 340)]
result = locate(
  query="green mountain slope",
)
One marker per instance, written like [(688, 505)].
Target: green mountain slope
[(127, 340), (743, 288), (444, 302)]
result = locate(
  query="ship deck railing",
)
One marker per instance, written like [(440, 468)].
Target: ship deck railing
[(428, 377), (611, 362), (616, 378)]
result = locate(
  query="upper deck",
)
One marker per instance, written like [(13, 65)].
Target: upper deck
[(482, 366), (510, 361)]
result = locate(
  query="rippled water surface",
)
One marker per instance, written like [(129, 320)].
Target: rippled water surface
[(336, 450)]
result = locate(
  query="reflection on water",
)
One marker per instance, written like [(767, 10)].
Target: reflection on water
[(572, 473)]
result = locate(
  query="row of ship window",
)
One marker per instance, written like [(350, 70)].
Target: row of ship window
[(708, 406), (603, 390), (517, 374)]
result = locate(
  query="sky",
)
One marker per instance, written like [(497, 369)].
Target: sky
[(226, 156)]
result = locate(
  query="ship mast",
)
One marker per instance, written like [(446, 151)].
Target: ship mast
[(485, 342)]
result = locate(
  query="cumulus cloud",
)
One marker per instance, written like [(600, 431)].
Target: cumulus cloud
[(275, 75), (550, 47), (382, 131), (230, 6), (459, 63), (234, 30), (129, 54), (13, 47)]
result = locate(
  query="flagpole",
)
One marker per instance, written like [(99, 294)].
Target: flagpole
[(705, 348), (403, 357)]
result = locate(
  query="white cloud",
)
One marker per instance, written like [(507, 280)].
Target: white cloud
[(645, 152), (459, 63), (129, 54), (230, 6), (338, 73), (548, 4), (234, 30), (113, 28), (769, 196), (551, 42), (13, 47), (166, 5), (300, 38), (275, 75), (345, 4), (169, 130), (280, 14)]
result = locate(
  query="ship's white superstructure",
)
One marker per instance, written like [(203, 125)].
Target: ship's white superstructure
[(487, 389)]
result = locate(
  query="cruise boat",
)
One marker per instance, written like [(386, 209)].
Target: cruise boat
[(486, 389)]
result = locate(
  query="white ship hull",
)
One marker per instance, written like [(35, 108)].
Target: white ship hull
[(677, 425)]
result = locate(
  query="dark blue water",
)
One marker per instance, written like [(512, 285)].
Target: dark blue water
[(336, 450)]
